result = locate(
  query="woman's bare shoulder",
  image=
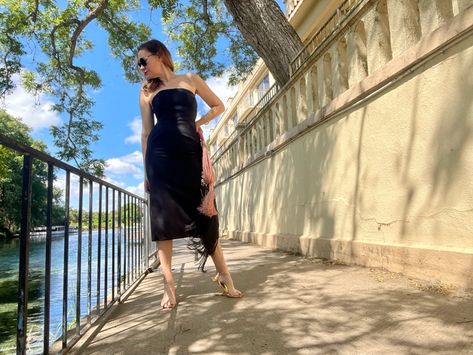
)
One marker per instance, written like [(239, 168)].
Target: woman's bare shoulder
[(193, 78), (186, 81), (189, 75)]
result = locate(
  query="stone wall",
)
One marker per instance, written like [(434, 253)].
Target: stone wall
[(367, 154)]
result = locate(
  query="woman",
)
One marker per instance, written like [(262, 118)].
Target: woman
[(172, 153)]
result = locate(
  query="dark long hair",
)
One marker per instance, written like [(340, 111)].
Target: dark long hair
[(156, 47)]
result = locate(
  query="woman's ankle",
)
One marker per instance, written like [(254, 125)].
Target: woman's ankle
[(169, 282)]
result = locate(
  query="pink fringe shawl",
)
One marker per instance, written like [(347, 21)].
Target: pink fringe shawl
[(207, 207)]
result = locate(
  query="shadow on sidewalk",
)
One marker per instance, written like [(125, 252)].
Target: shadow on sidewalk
[(291, 305)]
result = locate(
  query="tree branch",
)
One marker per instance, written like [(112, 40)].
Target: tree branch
[(205, 15), (34, 14), (52, 35), (110, 20), (83, 24)]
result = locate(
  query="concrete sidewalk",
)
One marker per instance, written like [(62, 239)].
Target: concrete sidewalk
[(292, 305)]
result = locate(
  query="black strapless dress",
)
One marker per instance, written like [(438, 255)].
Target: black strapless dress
[(173, 165)]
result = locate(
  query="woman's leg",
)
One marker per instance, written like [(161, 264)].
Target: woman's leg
[(223, 275), (165, 258)]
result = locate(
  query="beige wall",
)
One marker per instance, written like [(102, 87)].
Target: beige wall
[(386, 183), (310, 15), (381, 172)]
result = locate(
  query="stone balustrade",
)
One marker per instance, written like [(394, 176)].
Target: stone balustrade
[(372, 35), (291, 6)]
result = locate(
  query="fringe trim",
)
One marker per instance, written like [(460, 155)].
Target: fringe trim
[(203, 248), (207, 206)]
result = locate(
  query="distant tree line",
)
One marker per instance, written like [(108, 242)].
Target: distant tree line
[(11, 165), (132, 210)]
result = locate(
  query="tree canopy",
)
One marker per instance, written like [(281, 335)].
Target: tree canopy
[(198, 28), (52, 35), (11, 165)]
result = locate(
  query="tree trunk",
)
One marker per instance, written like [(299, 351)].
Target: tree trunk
[(266, 29)]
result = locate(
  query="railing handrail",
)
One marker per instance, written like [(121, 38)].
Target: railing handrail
[(25, 149)]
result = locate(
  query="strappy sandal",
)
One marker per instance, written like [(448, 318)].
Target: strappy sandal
[(226, 291)]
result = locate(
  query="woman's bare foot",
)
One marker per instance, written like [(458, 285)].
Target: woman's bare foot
[(169, 296), (226, 283)]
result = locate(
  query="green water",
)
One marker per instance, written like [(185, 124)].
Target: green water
[(9, 256)]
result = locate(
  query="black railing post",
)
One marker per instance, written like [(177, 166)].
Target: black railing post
[(79, 255), (133, 246), (47, 276), (141, 229), (22, 319), (89, 255), (113, 244), (105, 303), (124, 234), (66, 261), (126, 247), (146, 237), (137, 244), (99, 250), (119, 269), (132, 240)]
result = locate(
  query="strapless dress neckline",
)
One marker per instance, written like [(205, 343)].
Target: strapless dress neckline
[(172, 89)]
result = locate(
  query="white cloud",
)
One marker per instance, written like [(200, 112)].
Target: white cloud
[(114, 182), (34, 112), (135, 127), (223, 91), (137, 190), (132, 158), (221, 88), (134, 189), (74, 185), (125, 165), (119, 170), (206, 129)]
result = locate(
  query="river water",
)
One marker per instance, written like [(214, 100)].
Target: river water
[(9, 256)]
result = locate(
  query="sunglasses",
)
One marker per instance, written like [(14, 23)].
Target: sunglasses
[(143, 62)]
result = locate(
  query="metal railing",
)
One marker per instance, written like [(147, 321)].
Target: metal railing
[(117, 252)]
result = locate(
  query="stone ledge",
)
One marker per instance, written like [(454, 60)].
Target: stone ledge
[(446, 266)]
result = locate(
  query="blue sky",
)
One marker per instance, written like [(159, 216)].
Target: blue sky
[(116, 107)]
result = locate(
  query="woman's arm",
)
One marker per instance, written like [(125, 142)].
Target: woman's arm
[(209, 97), (147, 123)]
